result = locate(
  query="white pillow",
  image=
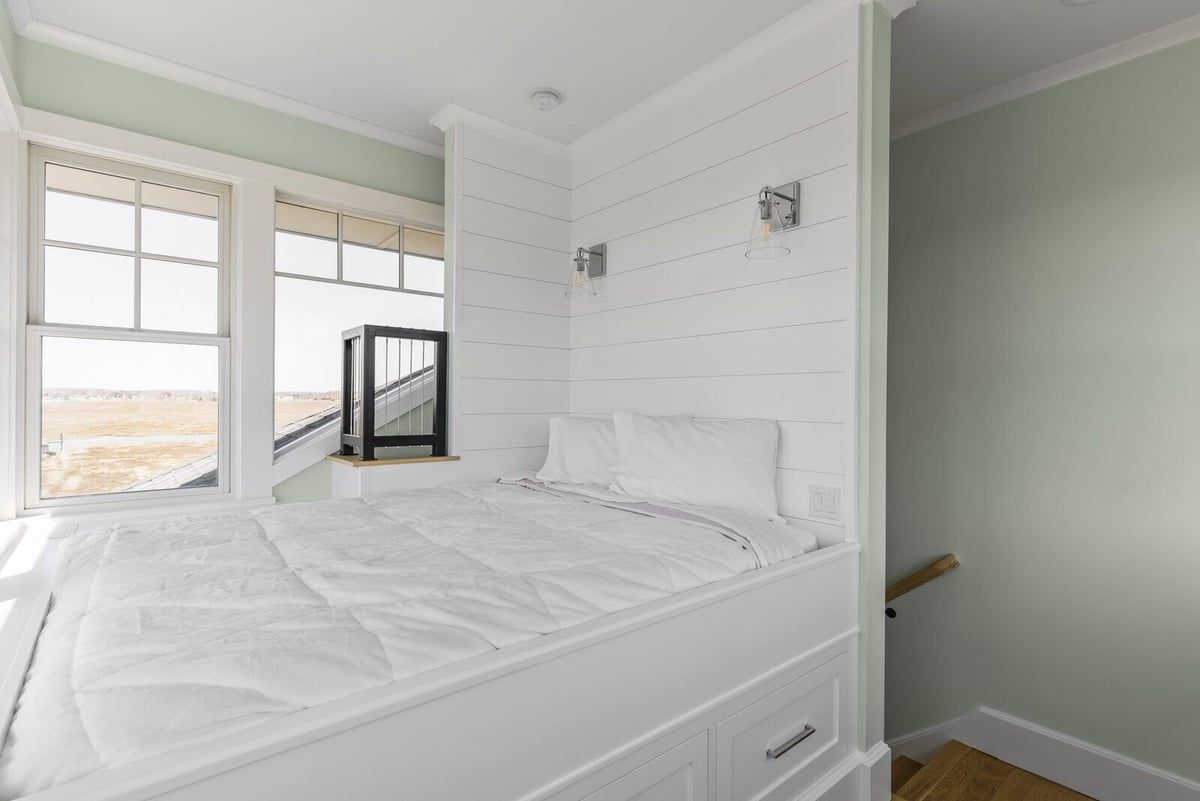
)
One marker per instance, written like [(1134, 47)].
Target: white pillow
[(728, 464), (582, 451)]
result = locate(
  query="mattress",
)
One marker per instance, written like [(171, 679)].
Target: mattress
[(173, 632)]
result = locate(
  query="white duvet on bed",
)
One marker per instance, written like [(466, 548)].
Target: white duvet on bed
[(171, 632)]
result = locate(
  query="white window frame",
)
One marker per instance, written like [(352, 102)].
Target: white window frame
[(327, 437), (37, 329)]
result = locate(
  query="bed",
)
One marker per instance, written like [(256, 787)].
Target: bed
[(567, 641)]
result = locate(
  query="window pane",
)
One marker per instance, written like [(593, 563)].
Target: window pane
[(179, 297), (179, 222), (424, 243), (86, 288), (424, 275), (305, 255), (127, 416), (370, 252), (309, 320), (89, 208), (368, 266)]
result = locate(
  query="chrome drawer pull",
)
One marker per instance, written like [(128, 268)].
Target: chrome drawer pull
[(776, 753)]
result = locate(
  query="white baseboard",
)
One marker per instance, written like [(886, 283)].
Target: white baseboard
[(1089, 769)]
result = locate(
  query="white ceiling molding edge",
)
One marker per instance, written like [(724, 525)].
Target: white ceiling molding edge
[(776, 36), (1144, 44), (31, 28), (451, 114), (894, 8)]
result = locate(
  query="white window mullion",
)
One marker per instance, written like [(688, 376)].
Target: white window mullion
[(137, 255)]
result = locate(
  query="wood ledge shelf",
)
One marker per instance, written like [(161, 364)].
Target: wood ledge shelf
[(354, 461)]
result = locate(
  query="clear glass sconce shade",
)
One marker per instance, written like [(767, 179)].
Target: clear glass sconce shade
[(580, 284), (767, 238)]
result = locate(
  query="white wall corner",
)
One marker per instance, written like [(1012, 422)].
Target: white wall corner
[(1071, 762), (452, 114), (21, 12), (894, 8)]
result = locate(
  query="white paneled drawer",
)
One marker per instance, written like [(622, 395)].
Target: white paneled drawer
[(773, 748)]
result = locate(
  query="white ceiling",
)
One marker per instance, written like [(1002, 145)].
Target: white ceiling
[(392, 63), (946, 50)]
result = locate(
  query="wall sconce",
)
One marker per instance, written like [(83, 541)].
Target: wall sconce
[(587, 263), (768, 238)]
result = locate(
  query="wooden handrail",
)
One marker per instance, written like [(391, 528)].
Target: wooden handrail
[(923, 576)]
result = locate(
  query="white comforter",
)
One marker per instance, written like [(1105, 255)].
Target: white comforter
[(172, 632)]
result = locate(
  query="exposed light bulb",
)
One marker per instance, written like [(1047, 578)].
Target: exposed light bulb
[(764, 233)]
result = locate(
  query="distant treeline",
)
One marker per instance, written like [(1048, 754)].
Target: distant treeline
[(87, 393)]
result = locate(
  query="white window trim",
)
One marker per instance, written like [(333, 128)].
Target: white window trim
[(255, 187), (288, 459), (37, 330)]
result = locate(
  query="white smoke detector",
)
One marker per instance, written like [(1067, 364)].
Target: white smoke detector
[(545, 99)]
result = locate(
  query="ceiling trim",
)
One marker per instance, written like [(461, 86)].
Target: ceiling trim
[(452, 114), (790, 27), (1144, 44), (895, 8), (29, 27)]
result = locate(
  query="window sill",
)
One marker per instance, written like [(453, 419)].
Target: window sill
[(354, 461)]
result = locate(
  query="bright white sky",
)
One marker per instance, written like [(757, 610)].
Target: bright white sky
[(89, 288)]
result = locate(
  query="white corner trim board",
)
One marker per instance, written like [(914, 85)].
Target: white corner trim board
[(452, 114), (895, 8), (1085, 768), (1158, 39), (31, 28)]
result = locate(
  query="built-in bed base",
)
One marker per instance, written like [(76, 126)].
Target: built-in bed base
[(677, 700)]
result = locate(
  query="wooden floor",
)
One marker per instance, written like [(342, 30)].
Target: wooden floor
[(960, 773)]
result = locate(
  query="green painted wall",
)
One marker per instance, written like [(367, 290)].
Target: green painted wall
[(310, 484), (52, 79), (1044, 362)]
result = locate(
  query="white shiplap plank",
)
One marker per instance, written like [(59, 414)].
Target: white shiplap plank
[(820, 347), (816, 397), (502, 327), (516, 225), (485, 465), (491, 431), (513, 258), (514, 157), (813, 447), (824, 197), (807, 56), (781, 117), (800, 156), (506, 292), (479, 360), (820, 248), (497, 396), (819, 297), (511, 189)]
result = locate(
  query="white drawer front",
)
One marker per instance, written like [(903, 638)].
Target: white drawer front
[(681, 774), (817, 700)]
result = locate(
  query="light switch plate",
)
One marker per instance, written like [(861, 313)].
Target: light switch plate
[(825, 502)]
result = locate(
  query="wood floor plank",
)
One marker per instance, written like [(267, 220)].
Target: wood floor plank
[(903, 769), (958, 777), (961, 773), (1015, 787), (919, 786), (987, 781)]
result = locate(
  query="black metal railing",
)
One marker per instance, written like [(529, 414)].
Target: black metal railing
[(408, 408)]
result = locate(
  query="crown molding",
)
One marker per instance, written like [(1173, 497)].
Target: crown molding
[(452, 114), (781, 33), (1144, 44), (31, 28), (894, 8)]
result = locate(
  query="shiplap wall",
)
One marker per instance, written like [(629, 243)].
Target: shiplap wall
[(684, 323), (514, 235)]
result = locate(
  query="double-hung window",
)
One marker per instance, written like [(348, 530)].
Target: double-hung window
[(128, 336), (335, 271)]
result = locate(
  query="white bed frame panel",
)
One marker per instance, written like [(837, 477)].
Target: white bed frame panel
[(551, 719)]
